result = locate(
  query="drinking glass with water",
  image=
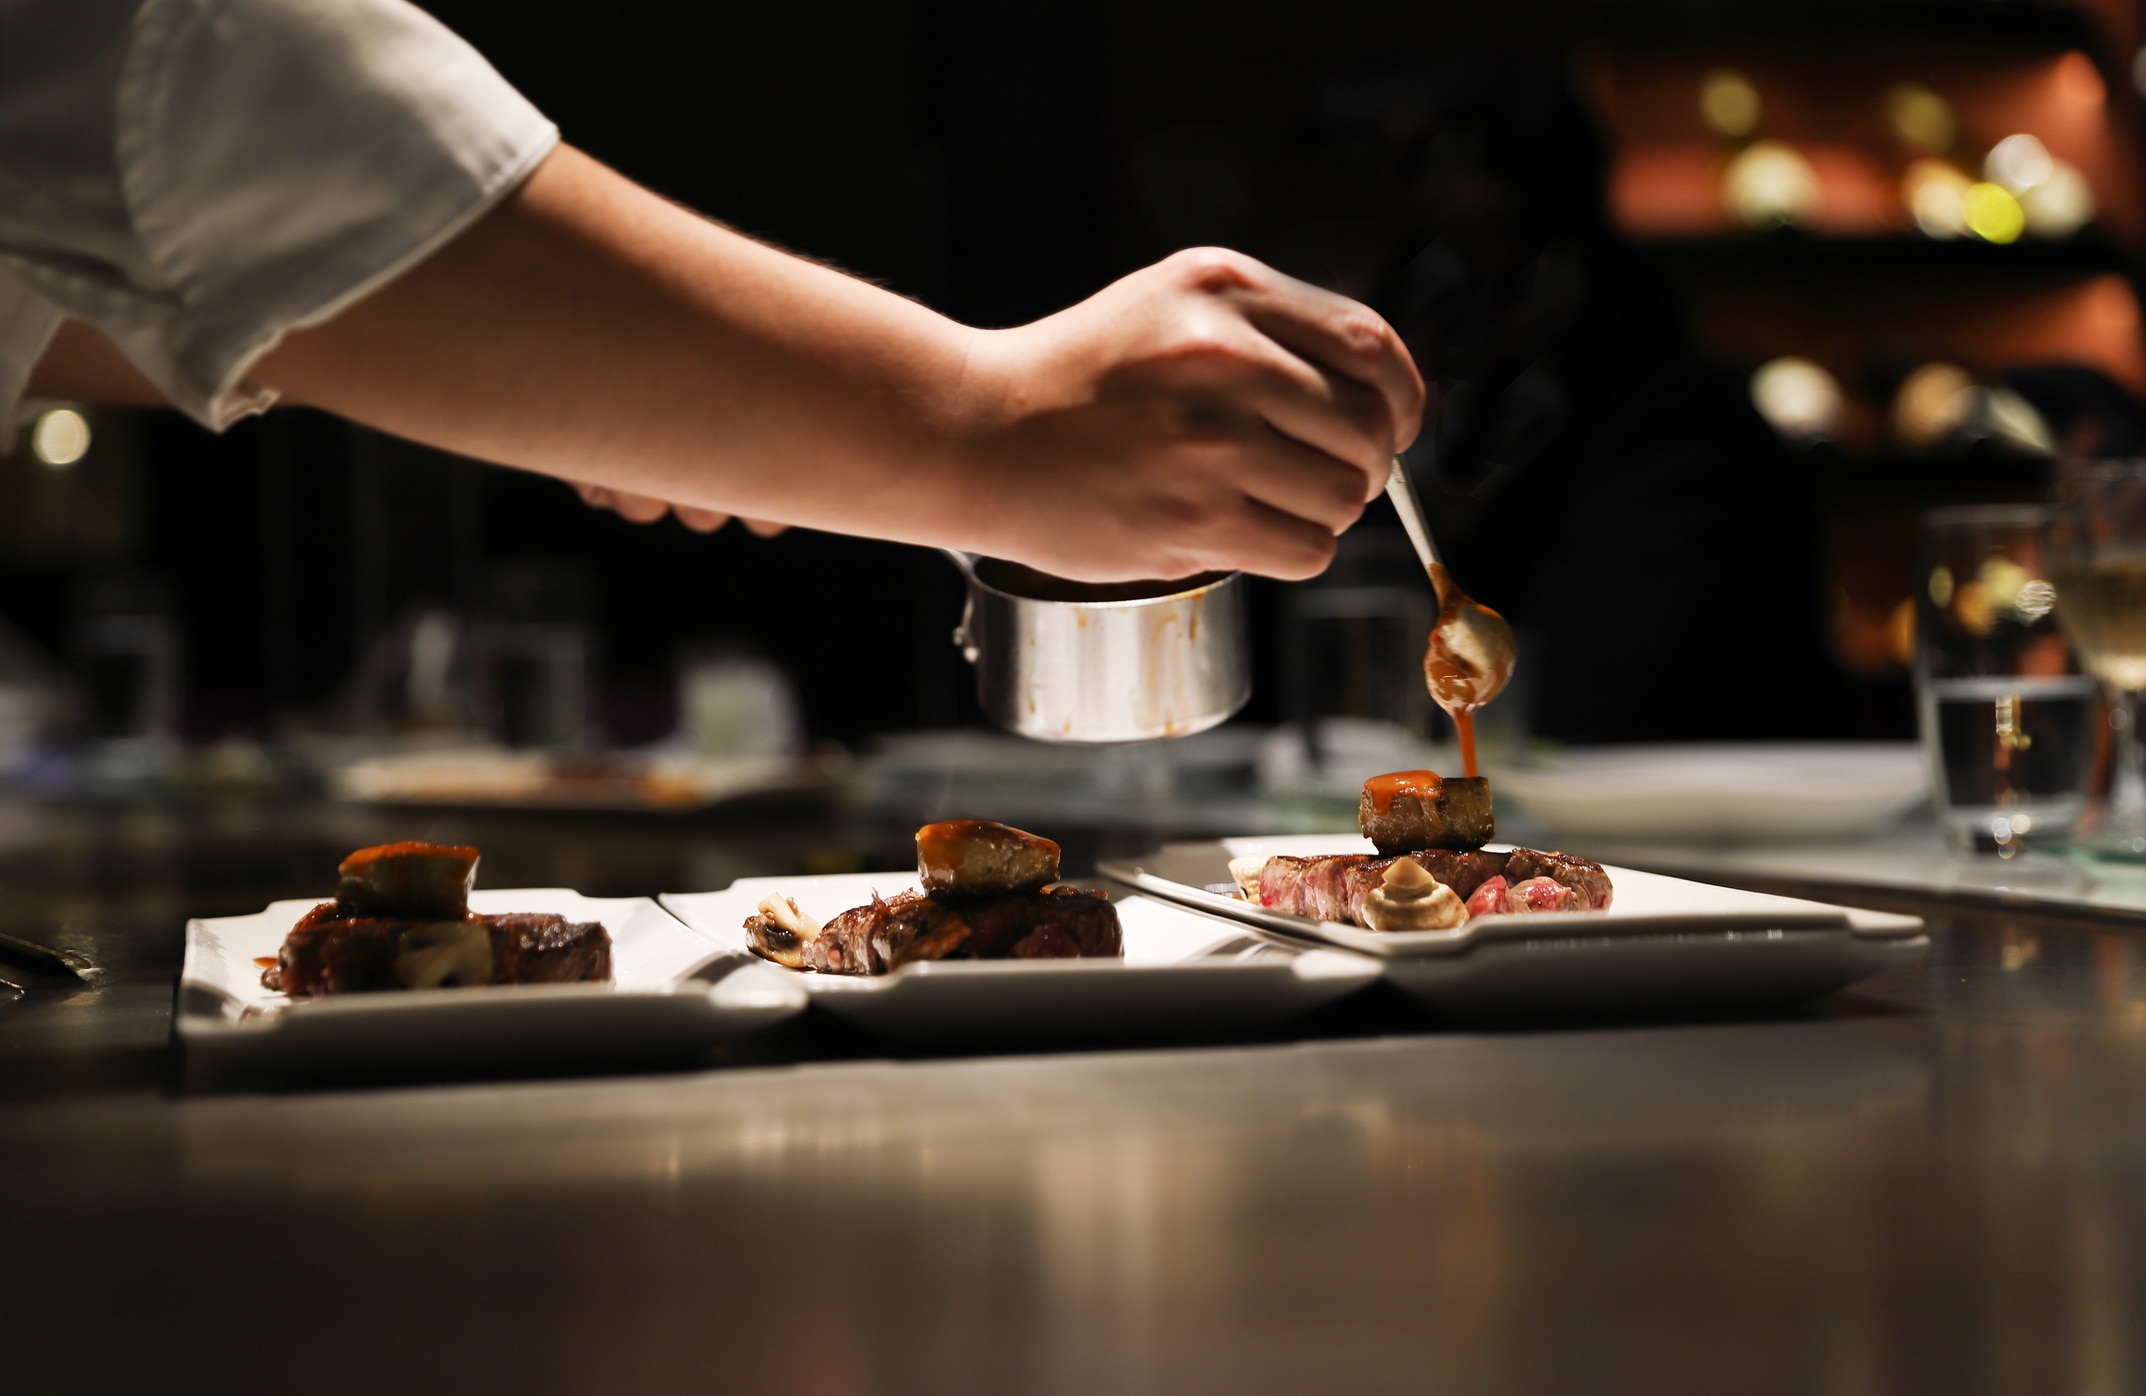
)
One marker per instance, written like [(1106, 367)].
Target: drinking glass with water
[(2097, 558), (2009, 723)]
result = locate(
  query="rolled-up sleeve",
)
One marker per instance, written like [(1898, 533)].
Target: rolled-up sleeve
[(199, 177)]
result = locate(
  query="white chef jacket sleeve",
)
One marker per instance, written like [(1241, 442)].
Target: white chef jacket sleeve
[(199, 177)]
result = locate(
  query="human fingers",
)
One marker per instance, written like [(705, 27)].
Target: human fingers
[(637, 508), (1343, 337), (1259, 538), (1285, 474), (763, 528), (1343, 419), (700, 520)]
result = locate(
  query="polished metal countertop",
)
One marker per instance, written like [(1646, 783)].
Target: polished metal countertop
[(1936, 1181)]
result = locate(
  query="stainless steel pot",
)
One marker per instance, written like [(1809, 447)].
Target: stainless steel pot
[(1104, 671)]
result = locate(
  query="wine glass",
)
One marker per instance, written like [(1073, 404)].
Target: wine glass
[(2097, 559)]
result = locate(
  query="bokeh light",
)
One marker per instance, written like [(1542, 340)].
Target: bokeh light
[(1992, 214), (1799, 399), (1935, 192), (60, 437), (1920, 118), (2018, 163), (1933, 402), (1770, 184), (1729, 104), (2060, 205)]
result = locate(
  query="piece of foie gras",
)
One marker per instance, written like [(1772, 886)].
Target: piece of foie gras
[(983, 858), (420, 881), (1405, 811)]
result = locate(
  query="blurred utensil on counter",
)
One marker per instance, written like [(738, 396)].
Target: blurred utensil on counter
[(45, 960), (1715, 793), (654, 780), (2097, 561), (1061, 661), (2007, 719), (1471, 653)]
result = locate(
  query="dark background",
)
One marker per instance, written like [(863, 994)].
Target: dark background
[(1595, 474)]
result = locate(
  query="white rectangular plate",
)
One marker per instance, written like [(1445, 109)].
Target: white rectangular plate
[(1182, 972), (654, 1002), (1664, 941)]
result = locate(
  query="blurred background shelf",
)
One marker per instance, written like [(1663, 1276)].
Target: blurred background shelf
[(1657, 394)]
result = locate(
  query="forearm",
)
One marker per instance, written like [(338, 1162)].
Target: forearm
[(588, 329)]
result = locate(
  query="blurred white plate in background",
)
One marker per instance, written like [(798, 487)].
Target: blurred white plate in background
[(1717, 794)]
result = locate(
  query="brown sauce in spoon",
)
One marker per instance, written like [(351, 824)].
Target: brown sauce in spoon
[(1469, 659)]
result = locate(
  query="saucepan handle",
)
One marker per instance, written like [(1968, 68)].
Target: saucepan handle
[(964, 638)]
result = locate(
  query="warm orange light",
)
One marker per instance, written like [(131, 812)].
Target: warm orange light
[(2079, 81)]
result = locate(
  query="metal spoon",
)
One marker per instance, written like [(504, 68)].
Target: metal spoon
[(1471, 652)]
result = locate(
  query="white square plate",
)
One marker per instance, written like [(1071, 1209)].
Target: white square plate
[(654, 1002), (1663, 941), (1182, 972)]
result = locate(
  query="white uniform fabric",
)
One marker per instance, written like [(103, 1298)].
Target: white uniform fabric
[(198, 177)]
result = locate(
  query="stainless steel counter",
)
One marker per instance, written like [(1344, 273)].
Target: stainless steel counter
[(1935, 1182)]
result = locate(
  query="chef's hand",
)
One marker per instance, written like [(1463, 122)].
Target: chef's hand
[(1205, 413), (643, 509)]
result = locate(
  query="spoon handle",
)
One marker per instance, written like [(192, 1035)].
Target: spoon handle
[(1403, 496)]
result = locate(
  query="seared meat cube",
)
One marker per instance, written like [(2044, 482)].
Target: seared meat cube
[(1410, 810), (540, 948), (418, 881), (978, 857), (1582, 875)]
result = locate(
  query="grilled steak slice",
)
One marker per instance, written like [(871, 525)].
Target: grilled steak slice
[(1334, 888), (889, 932), (869, 939), (1409, 810), (1057, 923), (977, 857), (1488, 899), (1582, 875), (1462, 871), (417, 881), (330, 953), (530, 947)]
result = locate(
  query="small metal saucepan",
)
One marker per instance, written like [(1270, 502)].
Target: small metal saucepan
[(1064, 661)]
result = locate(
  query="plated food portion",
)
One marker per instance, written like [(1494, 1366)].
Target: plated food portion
[(401, 920), (1431, 872), (986, 894)]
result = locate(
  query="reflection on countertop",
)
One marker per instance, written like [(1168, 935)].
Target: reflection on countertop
[(1925, 1183)]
